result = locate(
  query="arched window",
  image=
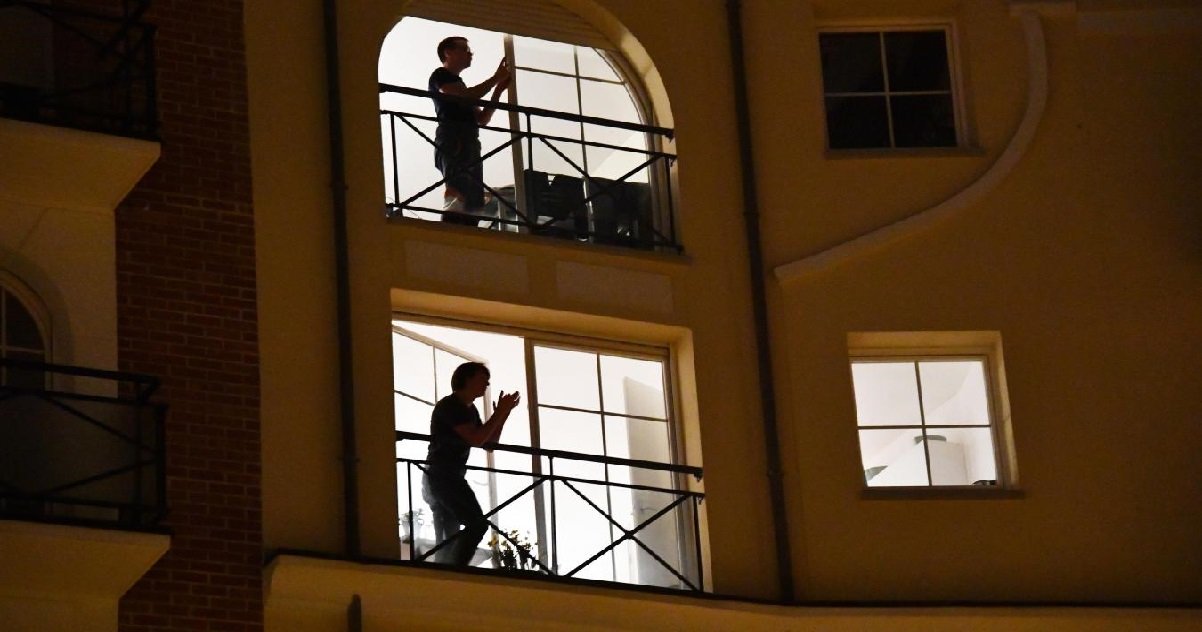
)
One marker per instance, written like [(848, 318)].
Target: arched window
[(23, 333), (576, 156)]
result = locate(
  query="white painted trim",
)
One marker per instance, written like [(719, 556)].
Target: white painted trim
[(1037, 95)]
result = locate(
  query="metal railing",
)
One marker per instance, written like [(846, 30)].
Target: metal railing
[(578, 205), (584, 533), (80, 445), (80, 69)]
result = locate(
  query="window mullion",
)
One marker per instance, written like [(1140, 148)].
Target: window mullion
[(922, 416), (885, 79), (515, 123), (536, 463)]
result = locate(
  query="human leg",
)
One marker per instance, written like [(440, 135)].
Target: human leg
[(458, 158), (446, 524), (459, 503)]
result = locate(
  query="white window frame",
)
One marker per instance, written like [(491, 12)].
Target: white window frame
[(660, 210), (936, 346), (536, 338), (955, 79)]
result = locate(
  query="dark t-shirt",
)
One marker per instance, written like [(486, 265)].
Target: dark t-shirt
[(452, 117), (448, 451)]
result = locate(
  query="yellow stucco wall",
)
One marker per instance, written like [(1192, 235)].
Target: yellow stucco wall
[(1085, 259)]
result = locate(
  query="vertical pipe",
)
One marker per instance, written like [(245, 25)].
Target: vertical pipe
[(346, 382), (784, 562), (697, 544)]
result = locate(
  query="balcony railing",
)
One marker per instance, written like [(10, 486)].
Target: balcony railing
[(80, 445), (570, 515), (73, 68), (633, 209)]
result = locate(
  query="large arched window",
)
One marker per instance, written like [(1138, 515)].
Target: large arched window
[(574, 156), (23, 333)]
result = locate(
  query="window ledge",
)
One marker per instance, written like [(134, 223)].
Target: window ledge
[(973, 492), (540, 241), (909, 152)]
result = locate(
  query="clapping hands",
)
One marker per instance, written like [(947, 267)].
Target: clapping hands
[(508, 402)]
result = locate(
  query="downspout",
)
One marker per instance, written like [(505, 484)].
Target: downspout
[(751, 216), (346, 381)]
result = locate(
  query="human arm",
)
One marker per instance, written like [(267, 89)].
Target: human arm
[(484, 115), (478, 435), (477, 92)]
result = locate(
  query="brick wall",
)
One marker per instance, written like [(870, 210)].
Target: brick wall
[(187, 313)]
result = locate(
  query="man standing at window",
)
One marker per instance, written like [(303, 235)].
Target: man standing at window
[(455, 428), (457, 155)]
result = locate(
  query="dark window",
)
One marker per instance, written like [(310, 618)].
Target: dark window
[(887, 89), (20, 339)]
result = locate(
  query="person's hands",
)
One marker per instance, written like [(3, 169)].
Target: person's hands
[(508, 402), (502, 73)]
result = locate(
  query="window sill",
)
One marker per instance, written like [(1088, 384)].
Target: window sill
[(973, 492), (602, 251), (909, 152)]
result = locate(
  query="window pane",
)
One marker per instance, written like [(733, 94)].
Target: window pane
[(633, 387), (662, 535), (20, 328), (893, 457), (566, 378), (851, 62), (544, 55), (924, 120), (573, 432), (917, 61), (593, 64), (498, 168), (963, 457), (612, 164), (857, 122), (444, 366), (886, 393), (608, 101), (549, 92), (638, 439), (582, 531), (954, 392), (412, 416), (413, 367)]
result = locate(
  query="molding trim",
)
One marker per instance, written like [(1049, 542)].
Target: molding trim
[(1037, 96)]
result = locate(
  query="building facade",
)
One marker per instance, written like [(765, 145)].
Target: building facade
[(917, 281)]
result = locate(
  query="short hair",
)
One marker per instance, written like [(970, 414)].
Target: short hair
[(465, 372), (447, 43)]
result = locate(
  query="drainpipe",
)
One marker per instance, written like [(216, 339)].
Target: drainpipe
[(346, 377), (751, 216)]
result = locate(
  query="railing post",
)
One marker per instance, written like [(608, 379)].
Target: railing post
[(554, 519), (409, 491)]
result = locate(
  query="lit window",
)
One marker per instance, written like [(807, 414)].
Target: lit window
[(888, 88), (609, 407), (578, 159), (928, 417)]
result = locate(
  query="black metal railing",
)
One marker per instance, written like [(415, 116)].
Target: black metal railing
[(577, 205), (81, 69), (582, 529), (80, 445)]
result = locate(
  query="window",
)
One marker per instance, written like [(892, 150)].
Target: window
[(929, 416), (586, 166), (21, 336), (889, 88), (609, 404)]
